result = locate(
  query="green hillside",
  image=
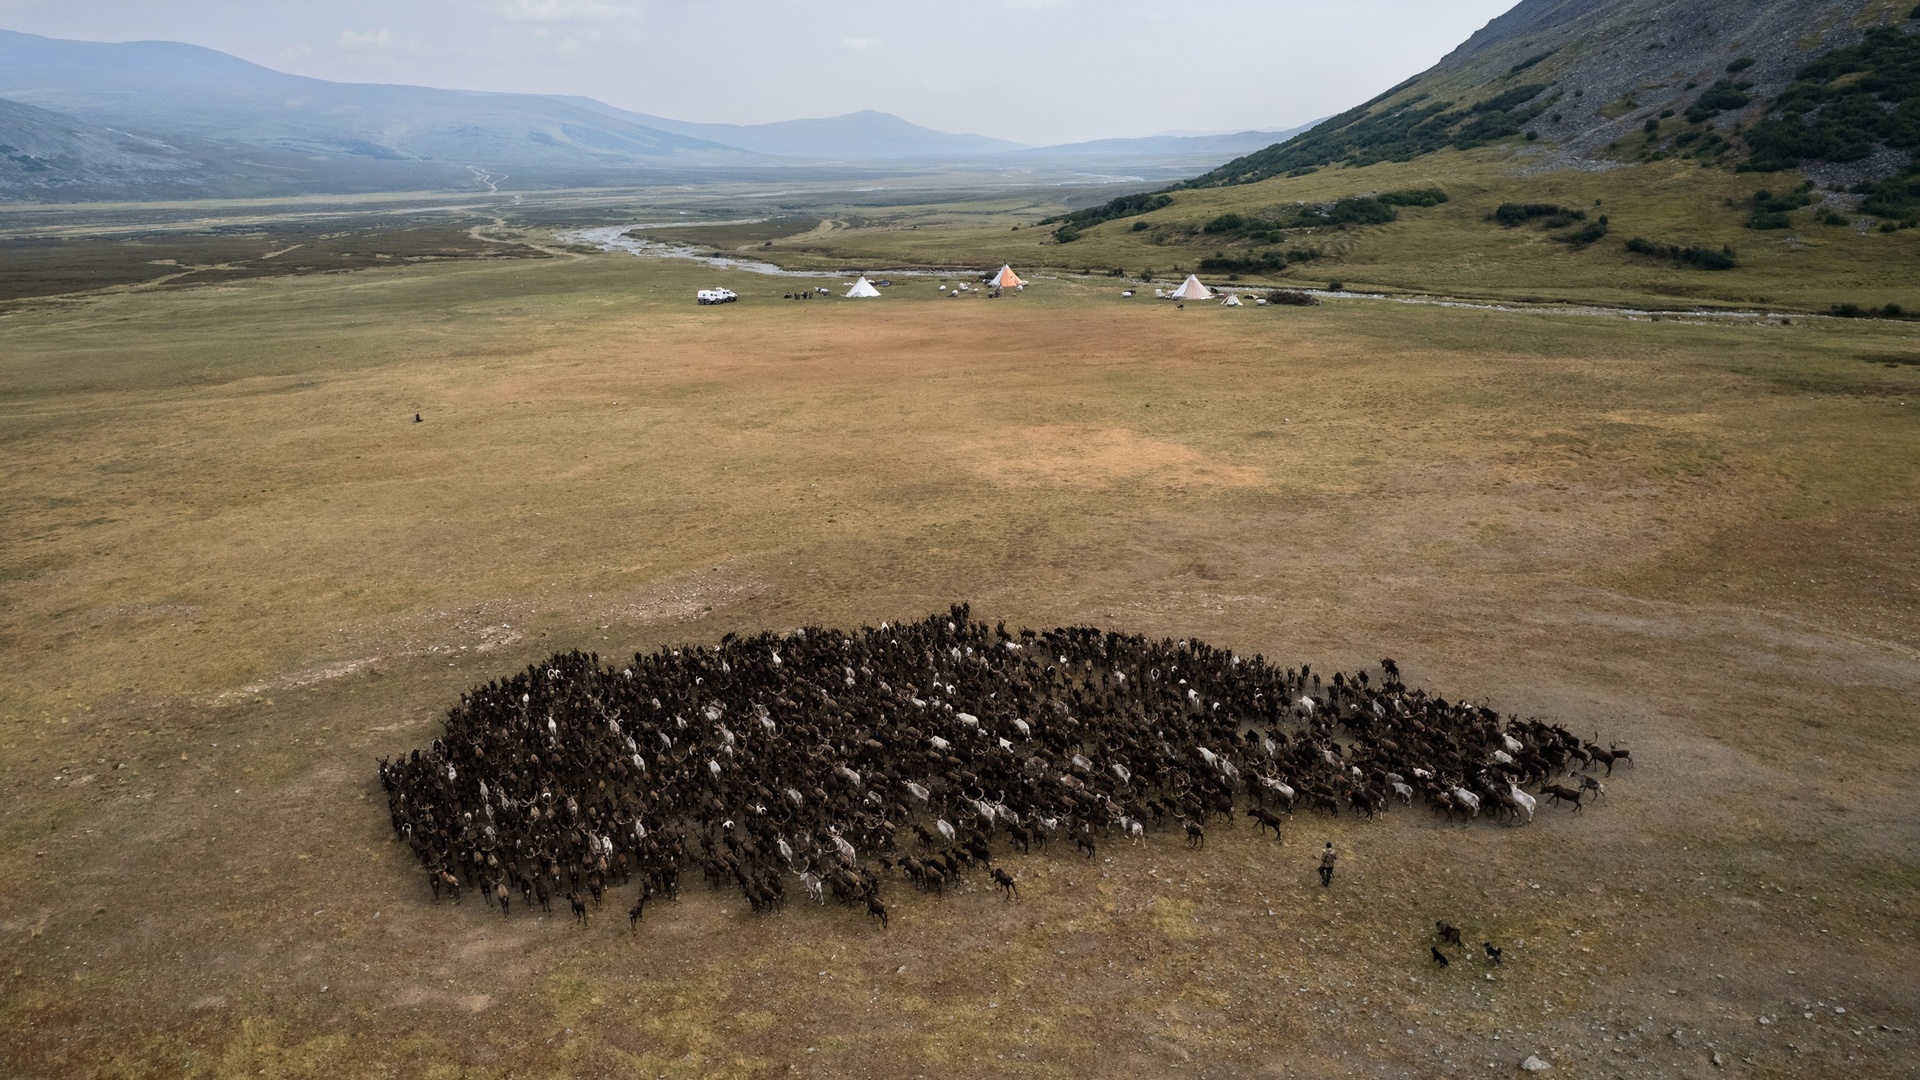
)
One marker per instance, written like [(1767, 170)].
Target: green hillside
[(1582, 153)]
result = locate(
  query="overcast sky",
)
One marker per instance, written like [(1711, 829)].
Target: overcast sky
[(1035, 71)]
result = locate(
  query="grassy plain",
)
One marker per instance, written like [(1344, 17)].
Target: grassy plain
[(233, 572)]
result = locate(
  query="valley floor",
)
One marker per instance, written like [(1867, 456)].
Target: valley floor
[(234, 573)]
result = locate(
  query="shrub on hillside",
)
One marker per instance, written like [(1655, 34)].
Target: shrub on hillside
[(1516, 214), (1587, 235), (1698, 257), (1822, 116), (1432, 196), (1770, 211), (1123, 207), (1370, 133), (1718, 98), (1528, 62), (1363, 210), (1266, 262)]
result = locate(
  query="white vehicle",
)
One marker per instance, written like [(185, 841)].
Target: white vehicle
[(716, 296)]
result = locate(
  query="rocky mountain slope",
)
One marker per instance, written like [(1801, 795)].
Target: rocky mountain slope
[(1594, 84)]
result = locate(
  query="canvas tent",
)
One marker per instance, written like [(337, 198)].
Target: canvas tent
[(1191, 290), (1232, 300), (1007, 279), (862, 288)]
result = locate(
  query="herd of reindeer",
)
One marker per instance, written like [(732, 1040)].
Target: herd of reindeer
[(839, 761)]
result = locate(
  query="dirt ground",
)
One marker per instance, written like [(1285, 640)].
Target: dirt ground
[(234, 572)]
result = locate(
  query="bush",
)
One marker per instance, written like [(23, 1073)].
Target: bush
[(1718, 98), (1513, 214), (1363, 210), (1267, 262), (1140, 226), (1898, 197), (1820, 118), (1292, 298), (1767, 220), (1225, 223), (1833, 218), (1740, 65), (1528, 62), (1122, 207), (1587, 235), (1698, 257), (1432, 196), (1336, 286)]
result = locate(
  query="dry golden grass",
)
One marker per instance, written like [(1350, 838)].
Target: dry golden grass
[(233, 572)]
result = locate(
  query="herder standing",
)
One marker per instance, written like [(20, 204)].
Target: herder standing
[(1327, 857)]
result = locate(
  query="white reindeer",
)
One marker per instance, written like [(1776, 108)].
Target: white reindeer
[(1467, 799), (1523, 801)]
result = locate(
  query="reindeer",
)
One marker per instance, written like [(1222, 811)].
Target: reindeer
[(1557, 793), (1267, 819), (1006, 883)]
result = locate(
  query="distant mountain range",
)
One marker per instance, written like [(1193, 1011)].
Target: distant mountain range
[(83, 119)]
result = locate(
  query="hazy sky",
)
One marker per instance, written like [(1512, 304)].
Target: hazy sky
[(1036, 71)]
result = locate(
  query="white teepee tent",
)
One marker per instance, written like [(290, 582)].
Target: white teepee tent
[(862, 288), (1232, 300), (1191, 289), (1007, 279)]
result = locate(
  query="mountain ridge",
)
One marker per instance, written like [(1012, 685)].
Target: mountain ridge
[(1600, 73), (234, 126)]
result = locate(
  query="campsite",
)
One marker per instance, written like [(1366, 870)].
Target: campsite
[(930, 608)]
